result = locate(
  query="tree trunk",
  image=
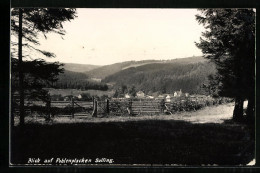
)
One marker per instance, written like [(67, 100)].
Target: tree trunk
[(21, 84), (238, 110), (250, 111)]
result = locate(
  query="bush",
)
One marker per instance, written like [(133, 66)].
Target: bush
[(187, 104)]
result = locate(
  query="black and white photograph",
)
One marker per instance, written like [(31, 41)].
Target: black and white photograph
[(132, 87)]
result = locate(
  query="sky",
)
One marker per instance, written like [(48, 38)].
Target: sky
[(107, 36)]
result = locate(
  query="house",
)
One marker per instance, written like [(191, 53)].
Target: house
[(140, 94), (168, 98), (177, 93), (79, 96), (127, 96), (161, 97), (150, 97)]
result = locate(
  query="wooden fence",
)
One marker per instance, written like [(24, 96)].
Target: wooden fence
[(118, 107), (135, 107)]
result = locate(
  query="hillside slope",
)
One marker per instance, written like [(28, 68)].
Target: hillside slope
[(104, 71), (77, 80), (79, 67), (165, 77), (72, 75), (107, 70)]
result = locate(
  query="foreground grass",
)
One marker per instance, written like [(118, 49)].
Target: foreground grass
[(136, 142)]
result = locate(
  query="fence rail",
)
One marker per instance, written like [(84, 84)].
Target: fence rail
[(118, 107)]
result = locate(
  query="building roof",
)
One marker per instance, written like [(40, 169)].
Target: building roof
[(140, 92)]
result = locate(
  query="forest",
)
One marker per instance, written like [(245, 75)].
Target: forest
[(165, 78), (76, 80)]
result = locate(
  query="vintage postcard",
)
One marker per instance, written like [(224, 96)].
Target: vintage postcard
[(132, 87)]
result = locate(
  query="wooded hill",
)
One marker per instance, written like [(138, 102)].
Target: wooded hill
[(107, 70), (77, 80), (165, 77), (104, 71), (79, 67)]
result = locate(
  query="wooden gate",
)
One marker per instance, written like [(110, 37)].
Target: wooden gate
[(72, 107), (84, 107), (120, 107), (147, 106), (102, 107)]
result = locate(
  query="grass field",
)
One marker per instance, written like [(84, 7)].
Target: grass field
[(147, 140), (76, 92)]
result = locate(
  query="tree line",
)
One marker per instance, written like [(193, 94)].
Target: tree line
[(120, 91), (76, 80), (82, 85)]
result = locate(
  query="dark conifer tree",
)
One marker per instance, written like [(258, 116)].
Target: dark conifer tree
[(26, 24), (229, 42)]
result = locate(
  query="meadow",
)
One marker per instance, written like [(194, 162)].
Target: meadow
[(76, 92)]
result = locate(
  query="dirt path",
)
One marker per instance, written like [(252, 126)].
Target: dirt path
[(214, 114)]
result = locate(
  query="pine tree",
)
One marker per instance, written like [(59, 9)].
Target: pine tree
[(26, 24), (229, 42)]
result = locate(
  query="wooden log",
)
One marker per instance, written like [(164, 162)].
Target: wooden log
[(146, 109), (62, 102), (152, 107), (146, 112)]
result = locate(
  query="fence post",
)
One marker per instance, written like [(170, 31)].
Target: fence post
[(162, 105), (49, 109), (129, 108), (108, 111), (94, 113), (72, 103)]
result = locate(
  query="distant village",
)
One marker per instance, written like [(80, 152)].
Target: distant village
[(167, 97), (142, 95)]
